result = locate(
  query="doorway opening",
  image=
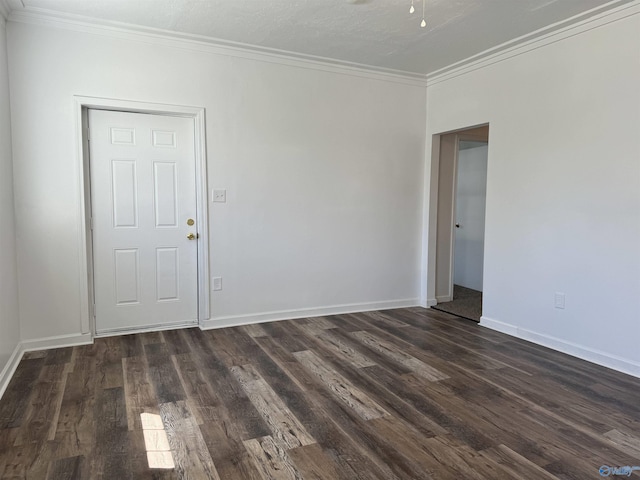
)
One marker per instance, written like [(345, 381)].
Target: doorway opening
[(458, 216)]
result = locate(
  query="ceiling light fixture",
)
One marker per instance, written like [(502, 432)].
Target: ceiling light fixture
[(412, 9)]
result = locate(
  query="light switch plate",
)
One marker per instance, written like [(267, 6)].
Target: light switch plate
[(217, 283), (219, 195)]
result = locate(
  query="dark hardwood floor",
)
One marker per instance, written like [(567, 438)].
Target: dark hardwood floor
[(399, 394)]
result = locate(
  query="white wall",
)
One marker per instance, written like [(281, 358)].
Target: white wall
[(9, 320), (563, 200), (323, 173)]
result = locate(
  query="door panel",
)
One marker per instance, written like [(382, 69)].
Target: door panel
[(471, 192), (143, 191)]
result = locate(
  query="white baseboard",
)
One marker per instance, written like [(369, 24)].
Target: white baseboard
[(59, 341), (237, 320), (585, 353), (431, 302), (443, 299), (499, 326), (10, 368)]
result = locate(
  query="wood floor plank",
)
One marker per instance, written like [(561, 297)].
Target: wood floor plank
[(241, 411), (254, 330), (176, 342), (74, 431), (139, 392), (392, 352), (71, 468), (221, 434), (314, 463), (440, 414), (281, 332), (323, 323), (13, 405), (465, 460), (149, 338), (131, 345), (549, 394), (392, 395), (107, 355), (188, 447), (626, 442), (340, 348), (30, 355), (340, 386), (271, 459), (351, 451), (347, 457), (228, 453), (414, 446), (357, 373), (164, 377), (376, 357), (515, 464), (202, 401), (383, 319), (420, 344), (287, 430), (111, 459), (140, 468), (58, 356), (43, 405)]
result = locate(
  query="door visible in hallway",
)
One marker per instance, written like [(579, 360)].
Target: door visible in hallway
[(143, 202), (470, 202)]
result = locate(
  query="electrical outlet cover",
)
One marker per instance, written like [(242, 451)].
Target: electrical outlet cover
[(219, 195)]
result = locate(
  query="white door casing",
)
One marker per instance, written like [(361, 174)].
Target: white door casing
[(143, 192)]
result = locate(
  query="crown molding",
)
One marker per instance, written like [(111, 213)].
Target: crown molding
[(597, 17), (154, 36)]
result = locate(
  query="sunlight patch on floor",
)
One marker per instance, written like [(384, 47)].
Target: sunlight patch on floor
[(156, 442)]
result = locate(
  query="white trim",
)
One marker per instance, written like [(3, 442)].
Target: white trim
[(10, 368), (198, 115), (236, 320), (59, 341), (149, 328), (602, 15), (594, 18), (427, 302), (202, 215), (443, 299), (585, 353), (168, 38), (499, 326)]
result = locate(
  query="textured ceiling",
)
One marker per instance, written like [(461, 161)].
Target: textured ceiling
[(377, 33)]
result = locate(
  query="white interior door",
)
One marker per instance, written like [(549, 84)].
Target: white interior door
[(143, 200), (470, 205)]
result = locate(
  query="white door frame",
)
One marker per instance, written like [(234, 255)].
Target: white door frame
[(80, 106), (432, 212)]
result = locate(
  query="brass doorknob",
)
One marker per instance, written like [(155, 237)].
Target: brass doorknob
[(191, 236)]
